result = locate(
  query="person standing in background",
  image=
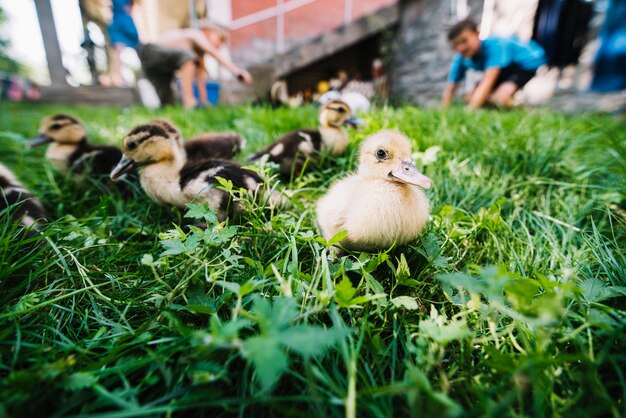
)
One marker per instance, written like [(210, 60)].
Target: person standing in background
[(182, 51), (123, 34)]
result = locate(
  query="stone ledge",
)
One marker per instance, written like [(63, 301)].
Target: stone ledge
[(93, 95)]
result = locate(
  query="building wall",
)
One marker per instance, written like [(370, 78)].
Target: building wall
[(422, 56), (257, 25)]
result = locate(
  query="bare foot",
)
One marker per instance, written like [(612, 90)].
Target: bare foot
[(189, 103)]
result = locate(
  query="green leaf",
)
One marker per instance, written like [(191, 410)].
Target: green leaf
[(402, 271), (193, 241), (225, 184), (173, 248), (595, 290), (406, 302), (147, 260), (272, 317), (200, 302), (216, 236), (309, 340), (78, 381), (227, 331), (250, 286), (333, 240), (232, 286), (339, 236), (269, 360), (344, 292), (199, 211), (439, 329)]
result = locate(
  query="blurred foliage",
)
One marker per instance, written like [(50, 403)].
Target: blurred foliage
[(7, 64)]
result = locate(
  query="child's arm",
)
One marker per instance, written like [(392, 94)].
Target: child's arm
[(484, 88), (448, 94), (203, 44)]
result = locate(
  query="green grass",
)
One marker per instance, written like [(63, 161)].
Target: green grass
[(511, 304)]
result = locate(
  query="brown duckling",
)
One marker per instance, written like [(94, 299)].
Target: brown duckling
[(292, 150), (28, 210), (383, 203), (170, 179)]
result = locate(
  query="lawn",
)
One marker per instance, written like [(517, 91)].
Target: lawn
[(512, 303)]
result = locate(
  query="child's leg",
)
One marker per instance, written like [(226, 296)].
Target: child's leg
[(503, 94), (187, 76), (115, 65), (202, 92)]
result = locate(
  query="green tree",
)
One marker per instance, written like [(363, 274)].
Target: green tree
[(7, 64)]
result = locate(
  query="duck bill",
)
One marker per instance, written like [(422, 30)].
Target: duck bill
[(124, 166), (40, 140), (354, 122), (406, 172)]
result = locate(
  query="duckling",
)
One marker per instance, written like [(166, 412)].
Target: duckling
[(169, 178), (380, 205), (70, 151), (292, 150), (224, 145), (30, 212)]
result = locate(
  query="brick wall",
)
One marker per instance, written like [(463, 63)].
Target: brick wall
[(257, 42)]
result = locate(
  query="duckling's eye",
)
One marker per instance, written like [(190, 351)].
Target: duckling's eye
[(381, 154), (341, 110), (131, 146), (55, 126)]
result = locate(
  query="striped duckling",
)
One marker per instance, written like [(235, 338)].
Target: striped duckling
[(206, 145), (292, 150), (70, 151), (383, 203), (28, 210), (170, 179)]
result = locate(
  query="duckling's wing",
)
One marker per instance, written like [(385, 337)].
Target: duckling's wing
[(105, 159), (303, 141), (95, 159), (207, 172), (213, 145), (333, 208)]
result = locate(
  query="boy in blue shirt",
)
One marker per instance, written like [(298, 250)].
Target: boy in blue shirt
[(507, 65)]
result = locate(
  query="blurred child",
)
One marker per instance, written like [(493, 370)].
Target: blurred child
[(183, 50), (123, 34), (507, 65)]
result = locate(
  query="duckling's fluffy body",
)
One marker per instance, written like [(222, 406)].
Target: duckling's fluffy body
[(28, 210), (169, 178), (292, 150), (220, 145), (381, 204), (171, 183)]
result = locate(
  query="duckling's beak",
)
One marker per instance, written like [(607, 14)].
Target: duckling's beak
[(40, 140), (123, 167), (406, 172), (354, 122)]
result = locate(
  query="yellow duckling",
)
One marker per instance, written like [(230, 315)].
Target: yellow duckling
[(169, 178), (383, 203), (292, 150), (69, 149)]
